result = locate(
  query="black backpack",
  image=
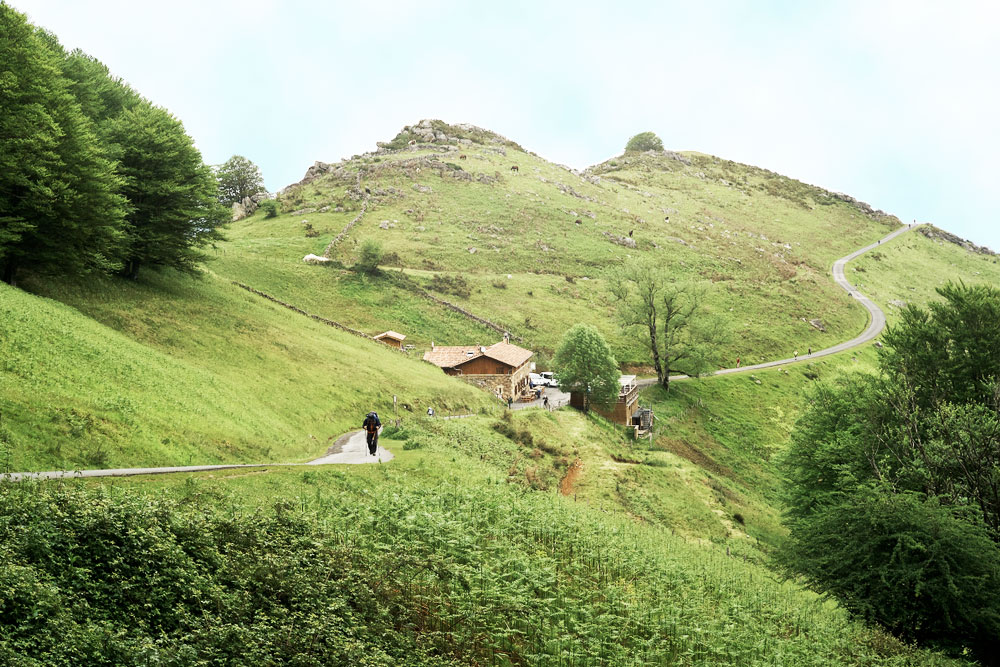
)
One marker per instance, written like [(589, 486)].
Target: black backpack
[(373, 419)]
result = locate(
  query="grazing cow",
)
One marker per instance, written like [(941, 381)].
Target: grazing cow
[(462, 156), (413, 142), (578, 221), (666, 219), (513, 167)]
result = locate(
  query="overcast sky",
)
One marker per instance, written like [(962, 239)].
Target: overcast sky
[(896, 103)]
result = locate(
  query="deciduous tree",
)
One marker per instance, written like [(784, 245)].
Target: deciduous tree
[(59, 211), (173, 208), (679, 333), (238, 178), (585, 364)]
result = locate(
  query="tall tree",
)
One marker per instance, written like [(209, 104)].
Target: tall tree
[(238, 178), (919, 442), (679, 333), (59, 211), (173, 209), (586, 365)]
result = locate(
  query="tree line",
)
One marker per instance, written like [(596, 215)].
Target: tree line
[(93, 176), (894, 479)]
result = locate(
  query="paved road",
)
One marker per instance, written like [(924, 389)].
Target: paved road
[(557, 399), (349, 448), (875, 325)]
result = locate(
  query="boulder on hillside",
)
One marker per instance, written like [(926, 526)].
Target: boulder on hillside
[(246, 207)]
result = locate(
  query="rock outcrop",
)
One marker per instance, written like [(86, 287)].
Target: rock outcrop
[(246, 208), (932, 232)]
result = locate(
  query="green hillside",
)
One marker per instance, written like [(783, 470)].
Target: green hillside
[(175, 371), (508, 245), (533, 538)]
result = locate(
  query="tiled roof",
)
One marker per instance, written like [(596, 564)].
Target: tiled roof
[(450, 356), (512, 355), (390, 334)]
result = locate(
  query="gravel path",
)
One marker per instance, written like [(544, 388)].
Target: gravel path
[(875, 325)]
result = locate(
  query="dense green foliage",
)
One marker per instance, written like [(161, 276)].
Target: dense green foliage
[(270, 207), (344, 572), (586, 365), (93, 177), (238, 178), (917, 446), (60, 207), (172, 193), (644, 141)]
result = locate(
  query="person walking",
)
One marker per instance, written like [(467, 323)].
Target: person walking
[(510, 402), (372, 426), (545, 402)]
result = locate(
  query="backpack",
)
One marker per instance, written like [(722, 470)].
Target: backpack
[(371, 423)]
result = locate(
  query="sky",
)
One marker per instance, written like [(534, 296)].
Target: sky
[(893, 102)]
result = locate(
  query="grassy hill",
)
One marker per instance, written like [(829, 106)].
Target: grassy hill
[(508, 245), (605, 549), (178, 371)]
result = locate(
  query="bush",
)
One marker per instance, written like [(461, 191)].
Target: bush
[(456, 285), (644, 141), (270, 207), (369, 257), (911, 564)]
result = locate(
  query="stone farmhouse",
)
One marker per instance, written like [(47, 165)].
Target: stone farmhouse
[(501, 368)]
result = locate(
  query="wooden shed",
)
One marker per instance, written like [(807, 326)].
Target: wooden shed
[(392, 339)]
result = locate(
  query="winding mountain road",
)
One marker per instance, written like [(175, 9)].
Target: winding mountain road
[(351, 448), (875, 325)]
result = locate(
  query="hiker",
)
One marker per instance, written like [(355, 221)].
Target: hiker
[(430, 412), (810, 352), (510, 402), (372, 425), (795, 354), (737, 362), (545, 402)]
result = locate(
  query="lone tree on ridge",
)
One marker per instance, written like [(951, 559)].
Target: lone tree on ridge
[(644, 141)]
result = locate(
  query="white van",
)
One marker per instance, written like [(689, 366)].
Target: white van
[(549, 379)]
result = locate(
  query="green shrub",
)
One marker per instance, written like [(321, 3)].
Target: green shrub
[(270, 207), (369, 257), (644, 141)]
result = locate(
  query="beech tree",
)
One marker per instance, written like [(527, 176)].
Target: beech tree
[(894, 494), (238, 178), (586, 365), (59, 210), (173, 209)]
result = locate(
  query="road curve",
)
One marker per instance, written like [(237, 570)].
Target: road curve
[(349, 448), (875, 325)]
